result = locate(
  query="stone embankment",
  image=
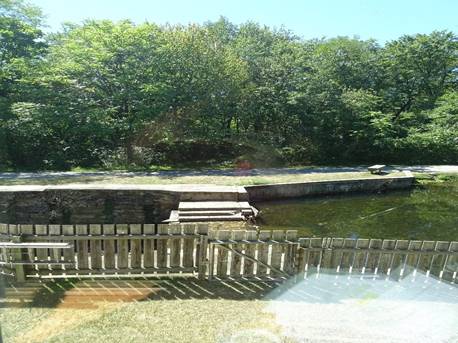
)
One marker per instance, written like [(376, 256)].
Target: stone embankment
[(97, 203)]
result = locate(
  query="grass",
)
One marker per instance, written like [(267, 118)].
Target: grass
[(241, 179), (425, 178), (185, 310)]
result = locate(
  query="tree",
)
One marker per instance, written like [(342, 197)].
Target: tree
[(106, 93), (20, 44), (418, 70)]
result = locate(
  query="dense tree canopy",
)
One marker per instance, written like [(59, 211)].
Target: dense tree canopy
[(105, 94)]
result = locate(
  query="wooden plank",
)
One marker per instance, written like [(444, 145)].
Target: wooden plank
[(212, 258), (15, 243), (373, 256), (3, 229), (424, 263), (302, 257), (16, 254), (129, 273), (222, 256), (109, 248), (348, 257), (335, 261), (451, 265), (412, 257), (27, 229), (203, 252), (3, 252), (277, 250), (175, 246), (13, 230), (236, 260), (135, 247), (188, 245), (82, 247), (360, 258), (386, 257), (250, 250), (327, 255), (56, 254), (437, 264), (263, 252), (69, 254), (96, 247), (315, 257), (290, 252), (148, 246), (398, 259), (162, 246), (123, 246), (101, 237), (41, 254)]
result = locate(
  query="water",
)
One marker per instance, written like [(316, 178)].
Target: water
[(428, 212)]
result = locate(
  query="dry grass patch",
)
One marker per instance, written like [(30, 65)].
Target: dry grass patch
[(185, 310)]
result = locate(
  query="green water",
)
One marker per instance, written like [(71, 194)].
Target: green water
[(428, 212)]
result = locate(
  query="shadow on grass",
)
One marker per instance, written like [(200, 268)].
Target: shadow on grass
[(328, 287), (89, 293)]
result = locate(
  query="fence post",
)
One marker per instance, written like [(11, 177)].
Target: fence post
[(17, 253), (202, 256)]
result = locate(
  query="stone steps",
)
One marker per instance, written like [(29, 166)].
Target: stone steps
[(234, 217), (198, 193), (213, 205), (205, 211)]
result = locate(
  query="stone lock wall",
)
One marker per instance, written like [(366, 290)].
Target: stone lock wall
[(81, 206), (317, 188)]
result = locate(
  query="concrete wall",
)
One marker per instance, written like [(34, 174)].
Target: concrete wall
[(86, 204), (302, 189)]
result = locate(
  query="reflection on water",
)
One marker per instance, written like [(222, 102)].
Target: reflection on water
[(345, 308), (426, 213)]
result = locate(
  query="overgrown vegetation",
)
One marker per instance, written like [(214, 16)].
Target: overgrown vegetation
[(105, 95)]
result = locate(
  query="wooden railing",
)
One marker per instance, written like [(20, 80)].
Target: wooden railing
[(131, 250), (393, 258), (108, 249), (279, 253)]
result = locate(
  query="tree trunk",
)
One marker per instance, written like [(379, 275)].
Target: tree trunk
[(129, 151)]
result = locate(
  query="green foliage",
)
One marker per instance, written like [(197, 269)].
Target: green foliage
[(20, 45), (105, 94)]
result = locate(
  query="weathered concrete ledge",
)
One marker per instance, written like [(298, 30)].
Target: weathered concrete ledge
[(104, 203), (314, 188)]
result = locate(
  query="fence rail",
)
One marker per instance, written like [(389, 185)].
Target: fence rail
[(131, 250), (108, 249), (378, 257)]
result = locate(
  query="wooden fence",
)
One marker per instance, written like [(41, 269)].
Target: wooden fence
[(108, 249), (393, 258), (281, 254), (132, 250)]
